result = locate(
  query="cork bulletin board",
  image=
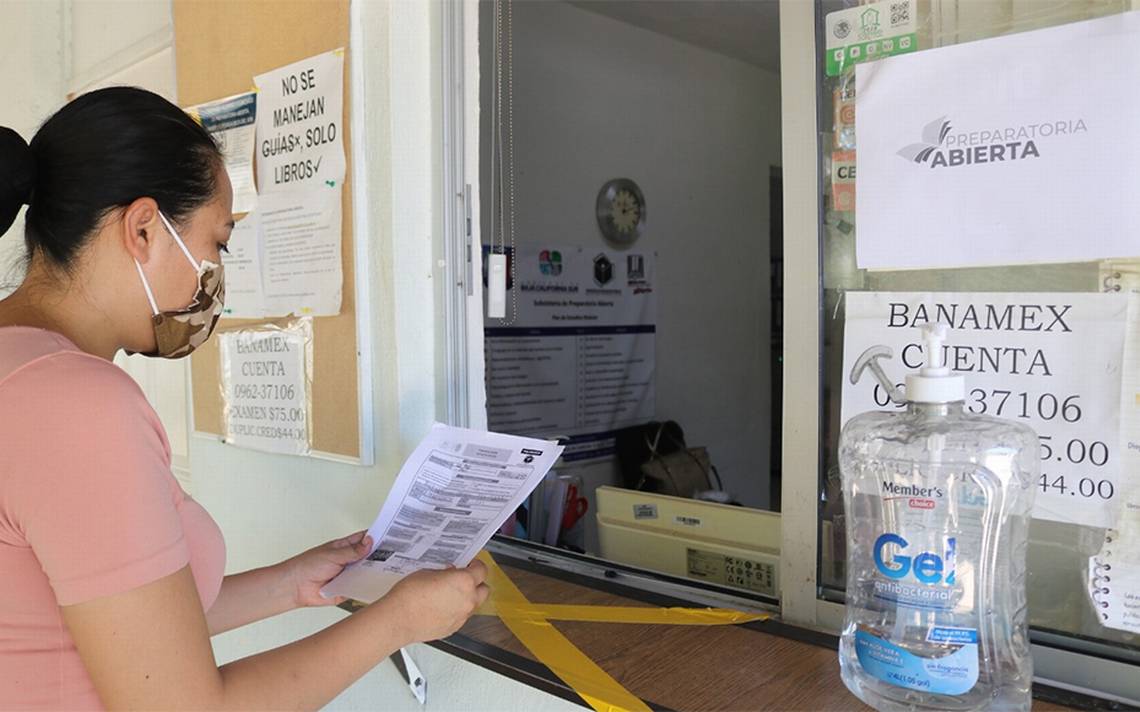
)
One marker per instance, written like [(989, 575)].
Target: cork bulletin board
[(219, 48)]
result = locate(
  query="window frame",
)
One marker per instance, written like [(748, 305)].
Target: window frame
[(801, 598)]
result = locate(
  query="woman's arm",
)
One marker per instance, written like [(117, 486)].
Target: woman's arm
[(149, 648), (262, 593), (249, 597)]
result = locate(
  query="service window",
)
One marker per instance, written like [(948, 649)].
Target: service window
[(1016, 320)]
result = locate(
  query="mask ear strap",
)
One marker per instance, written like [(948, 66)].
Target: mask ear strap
[(174, 234), (146, 286)]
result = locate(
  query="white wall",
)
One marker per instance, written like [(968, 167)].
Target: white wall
[(31, 54), (110, 35), (595, 99)]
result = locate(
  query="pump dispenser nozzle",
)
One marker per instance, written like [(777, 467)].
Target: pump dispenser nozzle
[(935, 382), (933, 337)]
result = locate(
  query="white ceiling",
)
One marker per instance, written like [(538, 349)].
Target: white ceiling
[(747, 30)]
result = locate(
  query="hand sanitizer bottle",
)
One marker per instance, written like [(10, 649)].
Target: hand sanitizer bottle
[(938, 504)]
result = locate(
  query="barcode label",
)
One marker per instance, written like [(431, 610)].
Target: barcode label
[(645, 511)]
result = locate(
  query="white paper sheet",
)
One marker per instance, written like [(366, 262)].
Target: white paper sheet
[(265, 384), (245, 295), (301, 251), (1010, 150), (231, 122), (300, 124), (452, 494), (1051, 361)]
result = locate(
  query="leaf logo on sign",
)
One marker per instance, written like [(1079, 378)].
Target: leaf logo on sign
[(933, 134)]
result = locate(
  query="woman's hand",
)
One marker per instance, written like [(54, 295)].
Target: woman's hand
[(434, 604), (307, 572)]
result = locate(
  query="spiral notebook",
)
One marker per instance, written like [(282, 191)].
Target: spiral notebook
[(1114, 586)]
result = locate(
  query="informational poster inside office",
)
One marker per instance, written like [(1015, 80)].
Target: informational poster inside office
[(1013, 150), (265, 388), (576, 354), (300, 171), (1052, 361), (231, 122)]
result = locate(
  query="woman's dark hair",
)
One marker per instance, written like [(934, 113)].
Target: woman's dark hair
[(100, 152)]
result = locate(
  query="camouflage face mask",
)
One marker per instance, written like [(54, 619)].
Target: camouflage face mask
[(180, 331)]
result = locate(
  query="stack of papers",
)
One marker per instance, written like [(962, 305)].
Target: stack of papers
[(452, 495)]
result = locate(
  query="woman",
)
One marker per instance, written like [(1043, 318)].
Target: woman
[(110, 575)]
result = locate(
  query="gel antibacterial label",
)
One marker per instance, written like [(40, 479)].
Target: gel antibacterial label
[(927, 567), (924, 580), (952, 674), (921, 579)]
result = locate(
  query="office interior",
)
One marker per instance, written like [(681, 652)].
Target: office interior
[(638, 91)]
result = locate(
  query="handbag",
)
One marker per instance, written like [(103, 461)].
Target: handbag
[(675, 469)]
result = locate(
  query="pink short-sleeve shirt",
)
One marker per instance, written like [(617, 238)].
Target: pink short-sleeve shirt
[(89, 507)]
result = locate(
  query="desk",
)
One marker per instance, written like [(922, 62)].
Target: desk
[(765, 665)]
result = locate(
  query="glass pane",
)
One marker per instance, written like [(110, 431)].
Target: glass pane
[(1058, 603), (631, 190)]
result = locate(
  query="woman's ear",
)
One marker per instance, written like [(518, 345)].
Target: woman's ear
[(139, 224)]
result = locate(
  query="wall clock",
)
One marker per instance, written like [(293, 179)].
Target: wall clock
[(621, 212)]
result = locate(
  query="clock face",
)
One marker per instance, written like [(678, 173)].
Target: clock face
[(625, 212), (621, 211)]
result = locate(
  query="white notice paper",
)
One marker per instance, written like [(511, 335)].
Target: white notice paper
[(300, 124), (1003, 151), (245, 296), (301, 239), (231, 122), (1050, 361), (265, 382), (452, 494), (1127, 520)]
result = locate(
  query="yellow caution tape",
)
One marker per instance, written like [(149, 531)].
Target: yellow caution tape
[(620, 614), (530, 623), (554, 650)]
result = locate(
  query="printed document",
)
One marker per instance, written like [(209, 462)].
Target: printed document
[(451, 495)]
